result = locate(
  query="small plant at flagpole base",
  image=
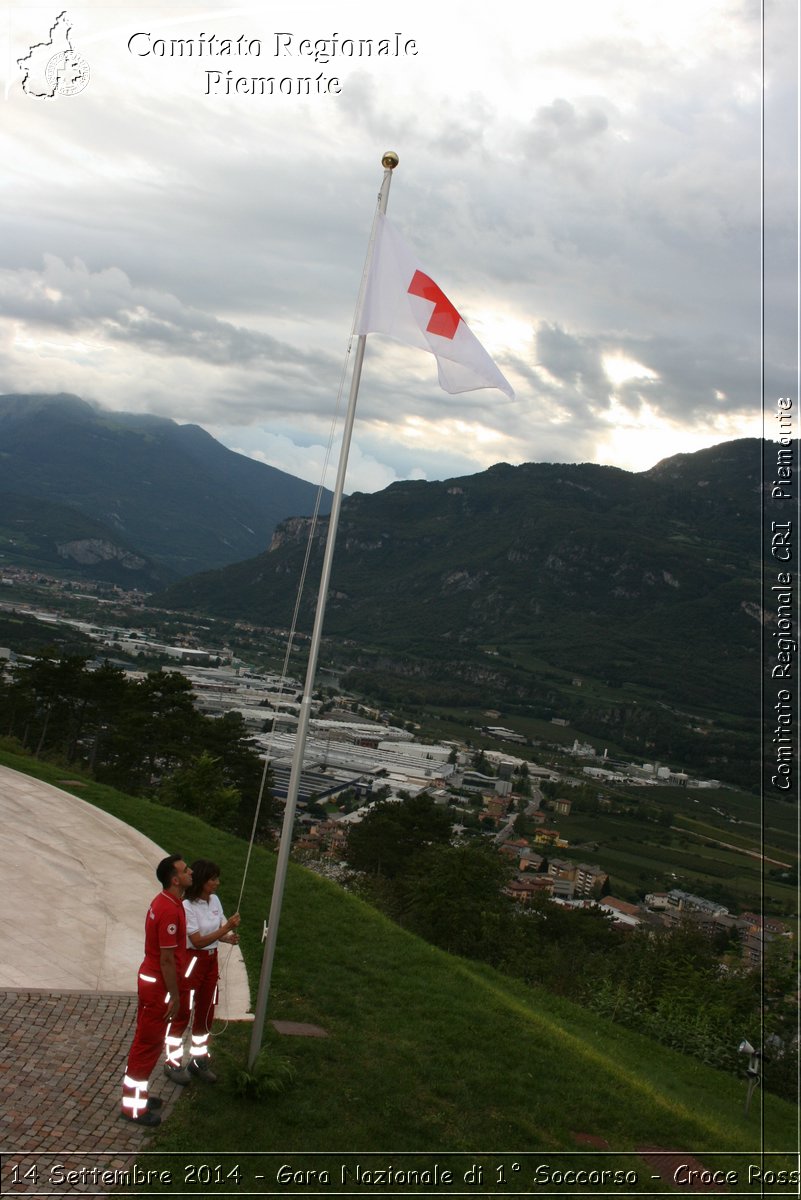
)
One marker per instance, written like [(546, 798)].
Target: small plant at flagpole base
[(269, 1076)]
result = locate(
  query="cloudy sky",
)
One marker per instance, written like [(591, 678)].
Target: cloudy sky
[(582, 178)]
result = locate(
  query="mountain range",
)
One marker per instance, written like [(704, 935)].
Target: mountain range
[(649, 579), (158, 500), (630, 603)]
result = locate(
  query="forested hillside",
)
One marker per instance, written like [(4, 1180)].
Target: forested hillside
[(169, 492), (651, 580)]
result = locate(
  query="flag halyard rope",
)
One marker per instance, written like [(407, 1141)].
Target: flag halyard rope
[(335, 422)]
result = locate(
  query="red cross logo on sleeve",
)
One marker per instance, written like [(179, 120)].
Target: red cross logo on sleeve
[(444, 319)]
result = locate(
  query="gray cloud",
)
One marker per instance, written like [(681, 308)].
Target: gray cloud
[(202, 259), (560, 125), (74, 298)]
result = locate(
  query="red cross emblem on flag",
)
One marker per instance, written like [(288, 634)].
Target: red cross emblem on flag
[(392, 303), (444, 319)]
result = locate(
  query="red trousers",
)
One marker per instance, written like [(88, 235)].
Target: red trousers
[(153, 1033), (203, 977)]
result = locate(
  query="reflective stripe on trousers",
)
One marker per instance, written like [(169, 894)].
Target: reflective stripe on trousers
[(134, 1095), (173, 1048), (200, 1045)]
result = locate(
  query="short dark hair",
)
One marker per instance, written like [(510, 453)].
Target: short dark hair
[(165, 871), (203, 869)]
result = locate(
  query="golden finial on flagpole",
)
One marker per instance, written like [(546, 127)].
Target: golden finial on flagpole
[(390, 160)]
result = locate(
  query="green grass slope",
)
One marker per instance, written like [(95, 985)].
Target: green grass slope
[(426, 1052)]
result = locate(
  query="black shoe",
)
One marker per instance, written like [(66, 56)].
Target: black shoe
[(154, 1103), (148, 1118), (202, 1068)]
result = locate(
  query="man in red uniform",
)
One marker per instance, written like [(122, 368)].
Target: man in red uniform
[(164, 997)]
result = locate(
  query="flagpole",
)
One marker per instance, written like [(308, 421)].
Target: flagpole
[(389, 162)]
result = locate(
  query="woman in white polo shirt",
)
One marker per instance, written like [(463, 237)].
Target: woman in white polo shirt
[(206, 926)]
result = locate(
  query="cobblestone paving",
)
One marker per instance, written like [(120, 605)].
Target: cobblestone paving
[(62, 1058)]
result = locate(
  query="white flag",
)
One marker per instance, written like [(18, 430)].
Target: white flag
[(402, 301)]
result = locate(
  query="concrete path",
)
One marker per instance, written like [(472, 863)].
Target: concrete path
[(77, 884), (81, 882)]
